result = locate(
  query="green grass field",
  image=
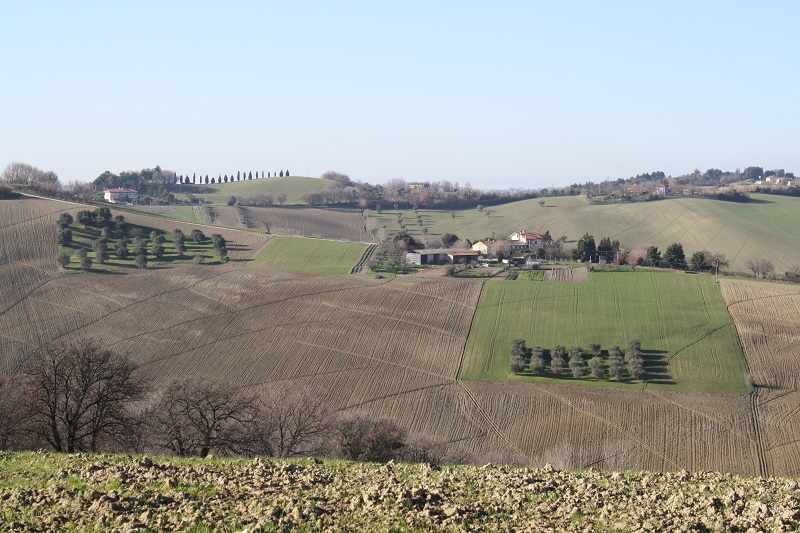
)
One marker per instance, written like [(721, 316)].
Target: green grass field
[(688, 340), (308, 255), (768, 227), (292, 186)]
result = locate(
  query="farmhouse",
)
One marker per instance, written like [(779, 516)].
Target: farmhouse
[(488, 247), (439, 256), (521, 240), (121, 195)]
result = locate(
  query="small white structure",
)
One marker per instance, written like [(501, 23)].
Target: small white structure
[(121, 195)]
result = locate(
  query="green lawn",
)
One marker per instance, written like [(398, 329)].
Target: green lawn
[(688, 340), (292, 186), (768, 227), (308, 255)]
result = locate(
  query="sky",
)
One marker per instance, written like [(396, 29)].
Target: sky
[(496, 94)]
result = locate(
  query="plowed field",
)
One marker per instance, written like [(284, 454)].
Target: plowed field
[(323, 222), (767, 317), (394, 347)]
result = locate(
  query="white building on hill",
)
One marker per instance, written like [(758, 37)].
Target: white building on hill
[(121, 195)]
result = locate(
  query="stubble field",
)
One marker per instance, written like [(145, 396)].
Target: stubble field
[(392, 347)]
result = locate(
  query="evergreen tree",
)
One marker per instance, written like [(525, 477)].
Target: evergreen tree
[(576, 363), (238, 176), (64, 220), (518, 355), (122, 249), (596, 365), (250, 175), (636, 366), (557, 359), (615, 365), (674, 256), (63, 259), (537, 360), (64, 236)]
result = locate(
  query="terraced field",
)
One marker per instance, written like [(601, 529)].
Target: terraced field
[(688, 339), (309, 255), (768, 227)]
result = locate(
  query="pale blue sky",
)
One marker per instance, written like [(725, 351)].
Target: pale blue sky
[(505, 94)]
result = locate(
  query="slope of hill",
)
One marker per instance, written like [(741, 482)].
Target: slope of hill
[(84, 492), (688, 340), (392, 347), (767, 227), (309, 255), (292, 186)]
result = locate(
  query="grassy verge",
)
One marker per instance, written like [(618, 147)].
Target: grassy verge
[(688, 340)]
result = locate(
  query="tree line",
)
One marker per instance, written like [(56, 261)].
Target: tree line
[(83, 396), (617, 365)]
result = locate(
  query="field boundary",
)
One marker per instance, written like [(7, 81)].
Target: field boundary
[(364, 258)]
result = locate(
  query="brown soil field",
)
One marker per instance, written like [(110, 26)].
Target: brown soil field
[(323, 222), (392, 347), (767, 318), (575, 275), (226, 215), (100, 492)]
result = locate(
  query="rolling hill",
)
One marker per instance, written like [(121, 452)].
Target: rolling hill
[(393, 347), (767, 227), (292, 186)]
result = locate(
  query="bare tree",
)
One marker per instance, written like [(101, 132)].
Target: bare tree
[(196, 417), (364, 438), (293, 424), (761, 268), (15, 414), (81, 190), (81, 393)]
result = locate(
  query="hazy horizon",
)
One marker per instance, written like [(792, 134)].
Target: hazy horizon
[(516, 95)]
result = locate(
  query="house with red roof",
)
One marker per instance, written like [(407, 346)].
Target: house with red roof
[(524, 239), (120, 195)]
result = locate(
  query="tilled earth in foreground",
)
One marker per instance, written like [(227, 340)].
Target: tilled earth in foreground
[(45, 491)]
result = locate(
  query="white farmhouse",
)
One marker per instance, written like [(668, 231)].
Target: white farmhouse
[(121, 195)]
